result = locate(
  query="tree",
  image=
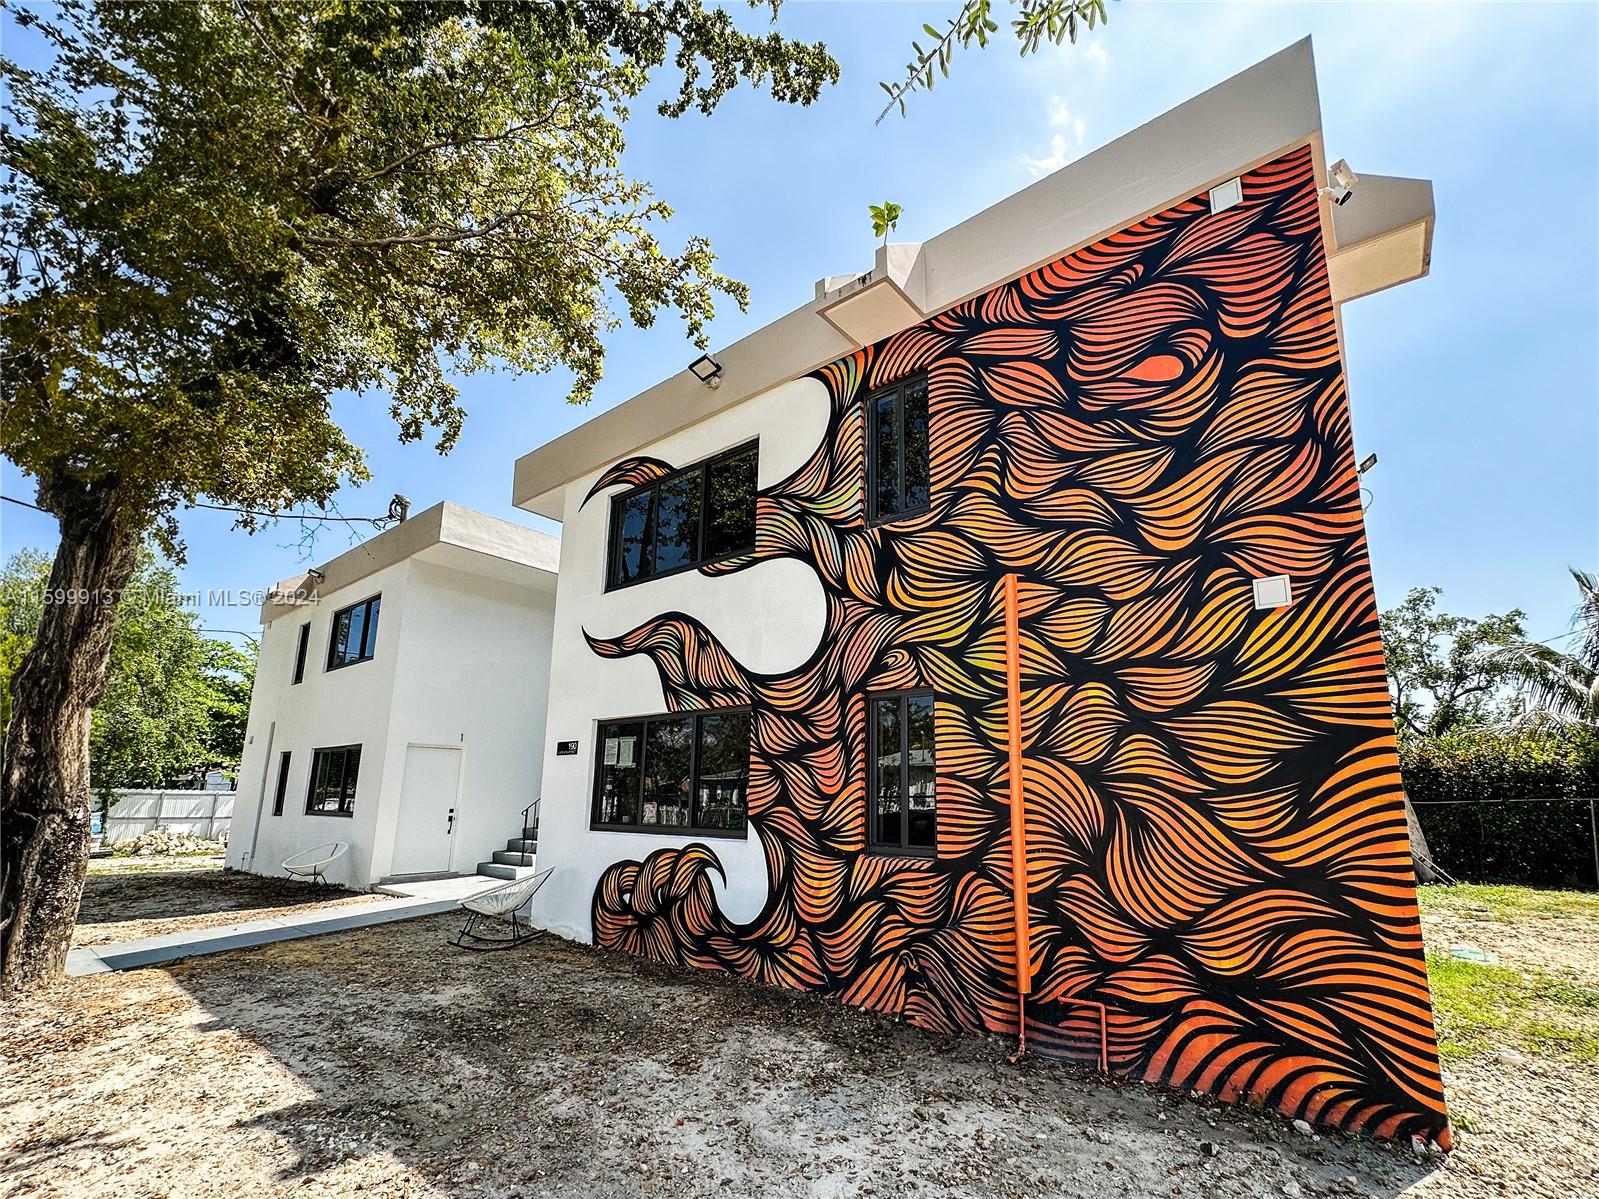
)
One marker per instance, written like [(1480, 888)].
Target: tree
[(1446, 671), (220, 213), (1562, 686), (175, 701)]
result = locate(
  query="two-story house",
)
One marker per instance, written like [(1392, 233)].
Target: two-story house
[(399, 703), (991, 640)]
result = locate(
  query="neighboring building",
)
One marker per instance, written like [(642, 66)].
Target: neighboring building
[(779, 739), (399, 701)]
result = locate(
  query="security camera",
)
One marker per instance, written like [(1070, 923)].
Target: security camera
[(1344, 182)]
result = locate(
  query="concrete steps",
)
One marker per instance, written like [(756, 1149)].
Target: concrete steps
[(516, 861)]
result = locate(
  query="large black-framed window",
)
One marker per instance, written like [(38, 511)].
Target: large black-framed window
[(903, 778), (898, 460), (299, 652), (282, 791), (684, 772), (333, 775), (354, 637), (692, 516)]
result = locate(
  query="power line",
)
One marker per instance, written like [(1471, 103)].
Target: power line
[(375, 521)]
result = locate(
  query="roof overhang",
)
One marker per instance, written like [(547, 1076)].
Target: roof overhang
[(445, 535), (1250, 119), (1382, 236)]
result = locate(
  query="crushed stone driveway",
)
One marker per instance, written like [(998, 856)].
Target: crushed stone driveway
[(383, 1063)]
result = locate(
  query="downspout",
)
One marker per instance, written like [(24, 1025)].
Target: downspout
[(248, 860), (1018, 812)]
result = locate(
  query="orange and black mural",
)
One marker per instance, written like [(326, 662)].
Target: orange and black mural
[(1216, 843)]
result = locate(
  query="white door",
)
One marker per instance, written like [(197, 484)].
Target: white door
[(427, 809)]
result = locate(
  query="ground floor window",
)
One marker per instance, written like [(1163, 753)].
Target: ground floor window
[(333, 775), (903, 779), (684, 772), (283, 783)]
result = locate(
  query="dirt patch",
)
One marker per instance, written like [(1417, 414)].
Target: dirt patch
[(132, 898), (378, 1061)]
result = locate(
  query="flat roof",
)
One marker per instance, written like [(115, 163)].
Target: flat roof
[(446, 534), (1249, 119)]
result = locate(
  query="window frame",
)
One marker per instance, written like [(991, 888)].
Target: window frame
[(280, 793), (368, 635), (868, 419), (310, 789), (697, 717), (613, 524), (903, 849), (301, 649)]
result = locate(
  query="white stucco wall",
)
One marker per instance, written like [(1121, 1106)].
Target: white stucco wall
[(460, 659), (349, 706), (770, 618), (473, 671)]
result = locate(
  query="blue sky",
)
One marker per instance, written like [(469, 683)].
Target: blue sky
[(1476, 386)]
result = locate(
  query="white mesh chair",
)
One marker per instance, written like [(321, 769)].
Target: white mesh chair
[(502, 905), (313, 863)]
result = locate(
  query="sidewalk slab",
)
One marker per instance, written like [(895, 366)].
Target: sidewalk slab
[(173, 947)]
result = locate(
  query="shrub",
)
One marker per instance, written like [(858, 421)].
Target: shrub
[(1469, 791)]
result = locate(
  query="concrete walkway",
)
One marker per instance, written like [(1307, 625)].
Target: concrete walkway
[(420, 899)]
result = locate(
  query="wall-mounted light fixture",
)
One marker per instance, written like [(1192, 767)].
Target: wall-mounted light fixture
[(317, 576), (707, 370), (1366, 463)]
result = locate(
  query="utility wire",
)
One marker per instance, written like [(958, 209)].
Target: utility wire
[(375, 521)]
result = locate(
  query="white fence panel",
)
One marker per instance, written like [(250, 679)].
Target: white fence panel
[(206, 814)]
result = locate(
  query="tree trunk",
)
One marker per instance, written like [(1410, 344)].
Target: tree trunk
[(44, 796)]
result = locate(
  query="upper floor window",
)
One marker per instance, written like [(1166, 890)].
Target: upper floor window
[(903, 782), (355, 634), (333, 775), (299, 651), (897, 465), (680, 773), (690, 517)]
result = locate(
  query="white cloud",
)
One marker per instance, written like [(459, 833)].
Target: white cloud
[(1063, 143), (1096, 51)]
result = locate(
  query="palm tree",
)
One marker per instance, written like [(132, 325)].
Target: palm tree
[(1563, 686)]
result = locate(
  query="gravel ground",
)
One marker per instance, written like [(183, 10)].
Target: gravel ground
[(379, 1062), (127, 899), (1562, 938)]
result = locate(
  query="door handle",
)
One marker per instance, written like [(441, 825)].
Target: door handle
[(450, 825)]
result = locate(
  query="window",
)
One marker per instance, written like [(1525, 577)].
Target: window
[(355, 634), (680, 773), (903, 779), (333, 774), (283, 782), (687, 519), (897, 466), (299, 651)]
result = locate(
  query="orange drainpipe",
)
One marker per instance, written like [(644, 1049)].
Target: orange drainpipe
[(1018, 811), (1018, 838)]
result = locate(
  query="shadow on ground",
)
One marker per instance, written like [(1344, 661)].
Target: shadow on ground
[(560, 1070)]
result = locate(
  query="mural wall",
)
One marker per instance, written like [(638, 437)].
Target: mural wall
[(1216, 838)]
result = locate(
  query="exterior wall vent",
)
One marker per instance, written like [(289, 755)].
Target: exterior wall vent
[(1273, 591), (1224, 195)]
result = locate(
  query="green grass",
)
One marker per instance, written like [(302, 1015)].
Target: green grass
[(1504, 902), (1482, 1009)]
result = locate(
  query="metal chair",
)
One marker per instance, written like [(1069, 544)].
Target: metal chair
[(313, 863), (502, 904)]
